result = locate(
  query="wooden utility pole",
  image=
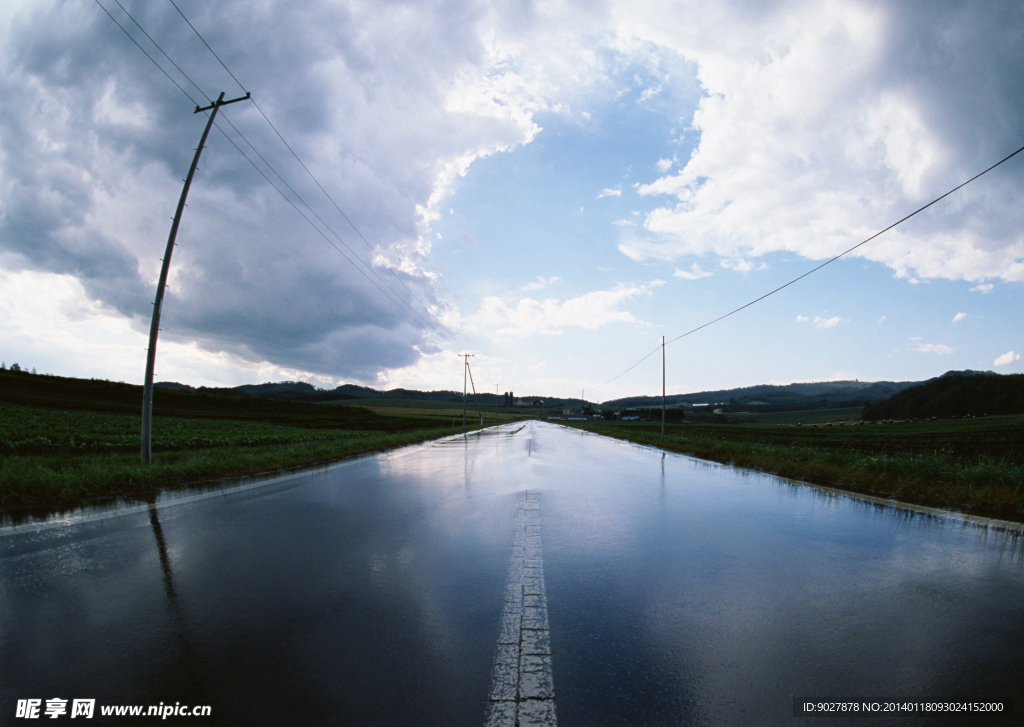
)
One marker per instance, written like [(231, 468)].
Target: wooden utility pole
[(663, 386), (154, 327), (465, 381), (479, 408)]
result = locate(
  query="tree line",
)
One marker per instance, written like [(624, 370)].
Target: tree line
[(952, 395)]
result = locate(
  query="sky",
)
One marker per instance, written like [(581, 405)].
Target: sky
[(549, 186)]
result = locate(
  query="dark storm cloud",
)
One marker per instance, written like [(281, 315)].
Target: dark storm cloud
[(95, 141), (959, 64)]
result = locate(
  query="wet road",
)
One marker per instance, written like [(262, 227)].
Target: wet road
[(529, 569)]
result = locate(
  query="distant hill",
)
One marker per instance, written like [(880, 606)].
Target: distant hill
[(180, 400), (955, 393), (301, 391), (792, 397), (755, 399)]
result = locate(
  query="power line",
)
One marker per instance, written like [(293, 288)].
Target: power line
[(289, 201), (819, 267), (311, 176), (206, 44), (386, 293), (398, 301), (123, 30), (151, 40)]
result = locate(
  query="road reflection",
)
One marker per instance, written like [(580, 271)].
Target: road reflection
[(371, 591)]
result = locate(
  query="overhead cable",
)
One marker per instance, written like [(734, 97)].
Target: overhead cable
[(816, 269), (387, 292), (311, 176)]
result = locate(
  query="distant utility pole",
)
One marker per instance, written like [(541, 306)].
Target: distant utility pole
[(154, 328), (465, 381), (663, 386)]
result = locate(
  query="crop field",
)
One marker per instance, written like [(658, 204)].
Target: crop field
[(420, 405), (67, 394), (65, 442), (29, 430), (995, 437), (975, 465), (813, 416), (446, 415)]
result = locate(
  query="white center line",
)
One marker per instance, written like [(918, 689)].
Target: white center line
[(522, 690)]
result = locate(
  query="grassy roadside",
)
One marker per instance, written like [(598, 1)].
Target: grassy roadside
[(69, 478), (990, 484), (66, 441)]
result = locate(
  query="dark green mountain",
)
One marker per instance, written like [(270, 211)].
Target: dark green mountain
[(957, 400), (792, 397), (955, 393)]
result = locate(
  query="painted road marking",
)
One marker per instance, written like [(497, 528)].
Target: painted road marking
[(522, 689)]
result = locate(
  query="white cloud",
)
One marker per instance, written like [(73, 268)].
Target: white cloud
[(624, 223), (609, 193), (551, 317), (740, 265), (1007, 358), (664, 165), (823, 123), (986, 288), (441, 370), (541, 283), (882, 320), (694, 273), (649, 93), (936, 348), (820, 322), (959, 317), (49, 322)]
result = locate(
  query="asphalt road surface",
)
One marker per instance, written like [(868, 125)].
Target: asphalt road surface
[(528, 574)]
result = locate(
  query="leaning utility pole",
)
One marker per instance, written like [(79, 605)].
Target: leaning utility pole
[(154, 328), (479, 408), (465, 381), (663, 386)]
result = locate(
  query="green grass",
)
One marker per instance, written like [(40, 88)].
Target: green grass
[(384, 402), (68, 441), (974, 465), (813, 416), (28, 430), (73, 478), (65, 442), (69, 394), (447, 415)]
